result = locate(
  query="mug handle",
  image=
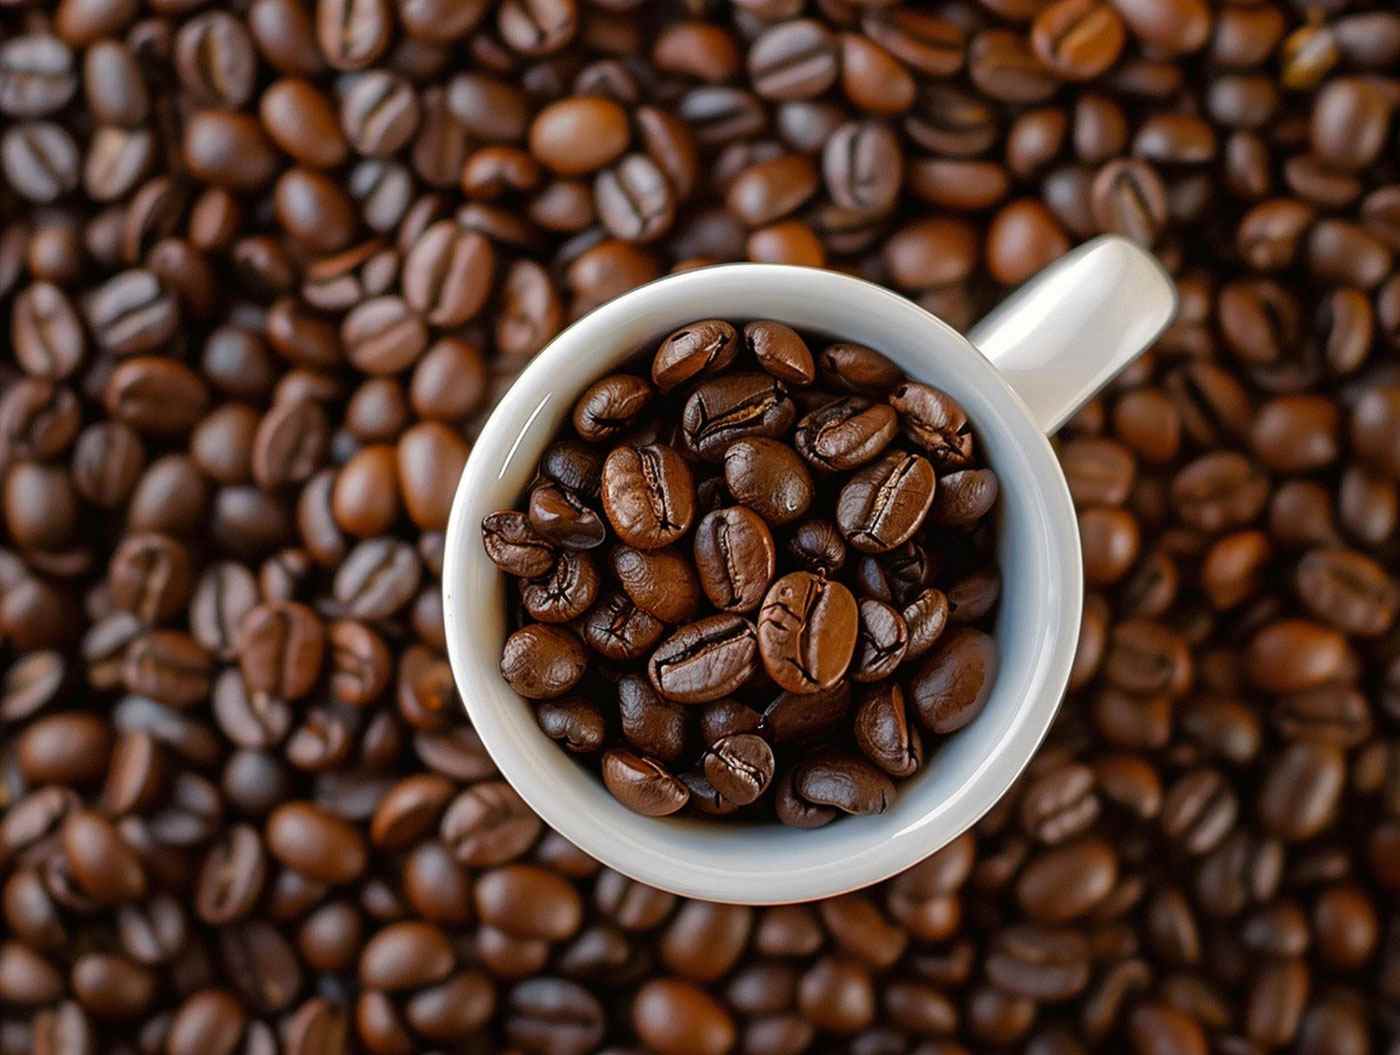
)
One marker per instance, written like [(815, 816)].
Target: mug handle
[(1073, 327)]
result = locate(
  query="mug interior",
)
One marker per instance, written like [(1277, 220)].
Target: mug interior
[(964, 774)]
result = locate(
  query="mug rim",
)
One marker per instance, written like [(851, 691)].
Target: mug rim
[(627, 845)]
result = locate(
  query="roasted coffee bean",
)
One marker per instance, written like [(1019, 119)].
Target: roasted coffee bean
[(30, 684), (378, 578), (103, 865), (1128, 198), (40, 160), (1035, 139), (702, 348), (861, 165), (883, 732), (964, 497), (618, 629), (609, 407), (729, 408), (542, 662), (447, 274), (231, 877), (39, 75), (734, 558), (572, 136), (953, 683), (315, 842), (807, 631), (926, 617), (648, 495), (768, 477), (726, 716), (1348, 590), (882, 642), (739, 767), (845, 434), (705, 660), (575, 723), (280, 646), (800, 716), (150, 577), (884, 504), (654, 726), (515, 546), (844, 781), (634, 199), (378, 113), (1059, 805), (1301, 790), (771, 189), (352, 33), (818, 546), (47, 335), (933, 252), (132, 313), (934, 421), (1219, 491), (1145, 657), (1078, 40), (569, 588), (642, 785), (797, 59), (1295, 655), (795, 811), (558, 516), (552, 1012), (169, 666), (660, 582)]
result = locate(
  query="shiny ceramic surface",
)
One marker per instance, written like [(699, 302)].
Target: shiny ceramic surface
[(1041, 601)]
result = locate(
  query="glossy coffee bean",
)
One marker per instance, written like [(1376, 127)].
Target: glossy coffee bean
[(705, 347), (739, 767), (953, 683), (642, 785), (609, 407), (705, 660), (726, 409), (542, 662), (648, 495), (768, 477), (845, 782), (807, 632), (883, 732), (884, 504), (845, 434), (735, 558), (560, 517)]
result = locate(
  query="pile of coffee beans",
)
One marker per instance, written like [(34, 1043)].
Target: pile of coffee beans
[(783, 541), (263, 266)]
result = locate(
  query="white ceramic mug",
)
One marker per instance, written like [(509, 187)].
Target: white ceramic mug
[(1025, 369)]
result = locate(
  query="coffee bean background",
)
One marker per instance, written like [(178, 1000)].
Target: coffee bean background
[(264, 266)]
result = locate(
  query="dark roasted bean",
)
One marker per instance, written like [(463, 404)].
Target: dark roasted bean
[(729, 408), (807, 632), (734, 558), (642, 785), (845, 782), (705, 660), (884, 504)]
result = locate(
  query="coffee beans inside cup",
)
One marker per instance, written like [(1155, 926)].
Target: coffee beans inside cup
[(752, 581)]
